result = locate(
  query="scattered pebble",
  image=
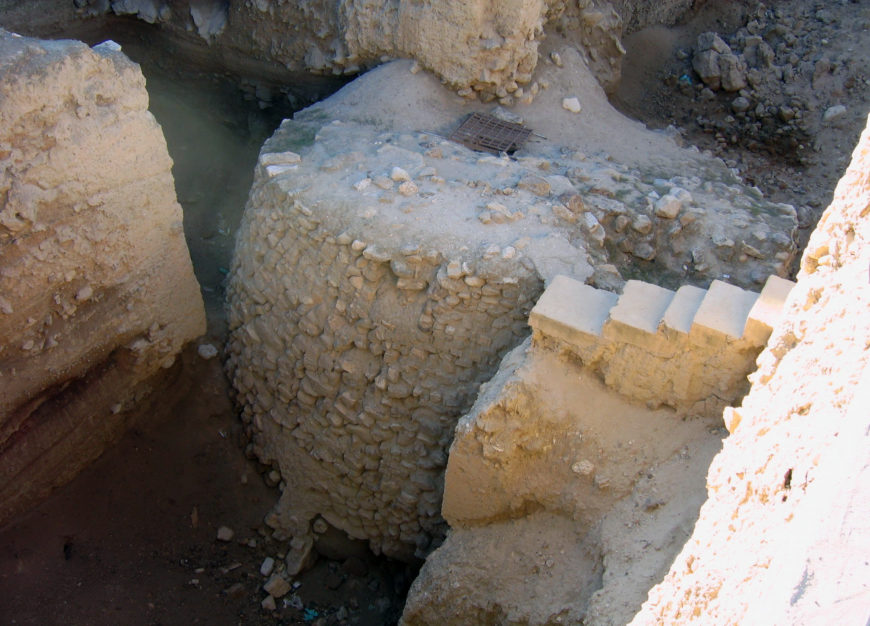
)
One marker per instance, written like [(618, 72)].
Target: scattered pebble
[(277, 587), (225, 533), (834, 112), (207, 351), (399, 175), (408, 188), (84, 293), (267, 566), (572, 105)]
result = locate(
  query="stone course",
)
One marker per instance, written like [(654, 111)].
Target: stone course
[(690, 349)]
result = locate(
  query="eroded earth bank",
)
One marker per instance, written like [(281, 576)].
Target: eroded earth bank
[(526, 372)]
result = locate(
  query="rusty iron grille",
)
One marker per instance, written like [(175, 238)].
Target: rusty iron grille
[(484, 132)]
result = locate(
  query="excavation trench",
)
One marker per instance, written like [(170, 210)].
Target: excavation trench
[(159, 495), (359, 336), (216, 115)]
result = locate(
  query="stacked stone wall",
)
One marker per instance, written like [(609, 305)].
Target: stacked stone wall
[(355, 359)]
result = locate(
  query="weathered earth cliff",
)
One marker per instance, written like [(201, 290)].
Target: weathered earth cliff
[(790, 487), (485, 48), (97, 294)]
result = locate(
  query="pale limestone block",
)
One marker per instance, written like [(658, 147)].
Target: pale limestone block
[(767, 310), (635, 318), (571, 311), (682, 309), (722, 314)]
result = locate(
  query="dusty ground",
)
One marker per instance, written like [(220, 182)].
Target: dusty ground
[(119, 545)]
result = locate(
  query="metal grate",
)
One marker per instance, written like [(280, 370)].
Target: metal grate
[(484, 132)]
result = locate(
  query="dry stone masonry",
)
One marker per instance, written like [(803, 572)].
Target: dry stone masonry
[(381, 274), (97, 293), (486, 49)]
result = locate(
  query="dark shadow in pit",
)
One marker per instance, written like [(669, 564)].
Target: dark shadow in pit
[(132, 540)]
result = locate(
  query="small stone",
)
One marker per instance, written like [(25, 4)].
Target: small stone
[(207, 351), (712, 41), (363, 184), (280, 158), (373, 253), (408, 188), (399, 175), (301, 555), (236, 590), (277, 587), (644, 251), (268, 604), (274, 477), (383, 182), (668, 207), (621, 223), (571, 104), (277, 170), (536, 184), (834, 112), (733, 72), (584, 467), (706, 64), (225, 533), (740, 104), (556, 58), (642, 224), (267, 566), (84, 293), (752, 251)]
